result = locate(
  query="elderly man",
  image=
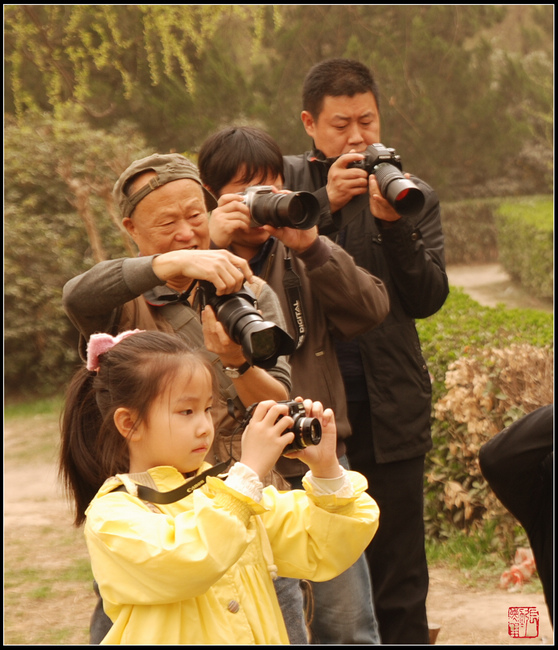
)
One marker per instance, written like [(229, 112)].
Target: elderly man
[(164, 209)]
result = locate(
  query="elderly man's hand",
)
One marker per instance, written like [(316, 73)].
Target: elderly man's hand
[(226, 271)]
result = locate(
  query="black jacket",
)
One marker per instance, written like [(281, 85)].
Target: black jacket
[(408, 256)]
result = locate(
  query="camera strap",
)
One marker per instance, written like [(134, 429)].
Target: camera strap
[(291, 283), (154, 496)]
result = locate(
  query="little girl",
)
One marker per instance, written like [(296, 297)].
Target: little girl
[(180, 554)]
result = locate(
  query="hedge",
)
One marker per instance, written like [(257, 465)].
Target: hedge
[(525, 243), (518, 233), (470, 235), (489, 367)]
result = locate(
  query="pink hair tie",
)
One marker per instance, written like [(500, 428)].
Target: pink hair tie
[(101, 343)]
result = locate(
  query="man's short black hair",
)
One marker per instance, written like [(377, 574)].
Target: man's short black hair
[(239, 148), (336, 78)]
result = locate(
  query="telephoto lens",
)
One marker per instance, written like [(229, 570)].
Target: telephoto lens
[(402, 194), (299, 210), (262, 341)]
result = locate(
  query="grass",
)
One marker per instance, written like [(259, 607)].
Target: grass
[(26, 409), (48, 595), (35, 431), (472, 557)]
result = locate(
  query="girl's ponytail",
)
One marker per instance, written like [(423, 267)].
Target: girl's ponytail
[(79, 464)]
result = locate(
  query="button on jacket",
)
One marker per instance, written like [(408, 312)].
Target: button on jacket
[(200, 570)]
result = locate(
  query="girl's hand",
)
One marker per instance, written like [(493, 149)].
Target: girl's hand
[(264, 440), (322, 458)]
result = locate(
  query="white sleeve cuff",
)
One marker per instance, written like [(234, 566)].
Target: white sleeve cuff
[(340, 486), (243, 479)]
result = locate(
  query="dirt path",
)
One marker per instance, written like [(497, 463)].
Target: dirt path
[(469, 616), (490, 284)]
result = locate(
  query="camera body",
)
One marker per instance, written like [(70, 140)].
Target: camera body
[(299, 210), (375, 155), (308, 431), (262, 341), (385, 164)]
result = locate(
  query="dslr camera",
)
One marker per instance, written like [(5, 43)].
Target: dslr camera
[(308, 431), (402, 194), (299, 210), (262, 341)]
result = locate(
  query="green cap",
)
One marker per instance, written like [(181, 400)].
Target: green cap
[(168, 167)]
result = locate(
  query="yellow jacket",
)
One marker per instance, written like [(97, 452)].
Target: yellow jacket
[(199, 570)]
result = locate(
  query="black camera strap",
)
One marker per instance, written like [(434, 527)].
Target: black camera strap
[(154, 496), (291, 283)]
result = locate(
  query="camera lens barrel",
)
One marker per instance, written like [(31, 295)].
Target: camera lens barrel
[(308, 431), (402, 194), (262, 341), (298, 210)]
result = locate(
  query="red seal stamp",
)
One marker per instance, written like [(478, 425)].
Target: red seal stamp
[(523, 622)]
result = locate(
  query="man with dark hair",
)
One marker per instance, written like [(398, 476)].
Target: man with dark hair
[(323, 295), (386, 378)]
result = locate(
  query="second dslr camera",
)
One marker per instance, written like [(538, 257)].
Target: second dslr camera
[(299, 210), (262, 341), (385, 164)]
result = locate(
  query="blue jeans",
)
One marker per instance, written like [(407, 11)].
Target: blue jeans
[(344, 610), (289, 595)]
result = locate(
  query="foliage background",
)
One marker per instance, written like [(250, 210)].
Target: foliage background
[(466, 91), (466, 99)]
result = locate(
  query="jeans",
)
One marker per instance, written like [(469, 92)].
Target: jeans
[(344, 610), (100, 623), (289, 595)]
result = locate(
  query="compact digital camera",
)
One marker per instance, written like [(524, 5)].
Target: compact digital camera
[(308, 431)]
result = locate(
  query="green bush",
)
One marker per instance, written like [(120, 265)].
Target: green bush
[(518, 233), (489, 367), (462, 325), (525, 243), (59, 176), (470, 234)]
